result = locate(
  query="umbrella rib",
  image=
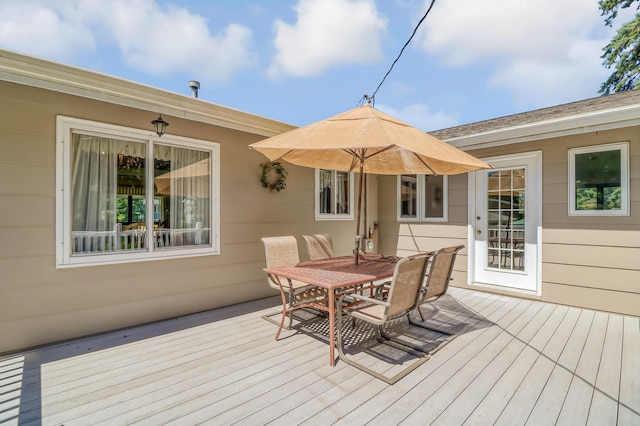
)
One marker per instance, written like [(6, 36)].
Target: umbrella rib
[(425, 163)]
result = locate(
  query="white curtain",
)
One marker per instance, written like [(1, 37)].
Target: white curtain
[(342, 192), (94, 180), (190, 191), (325, 191)]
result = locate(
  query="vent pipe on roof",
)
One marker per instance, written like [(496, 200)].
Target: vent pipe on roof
[(194, 85)]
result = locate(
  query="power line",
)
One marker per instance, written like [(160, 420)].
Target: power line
[(372, 97)]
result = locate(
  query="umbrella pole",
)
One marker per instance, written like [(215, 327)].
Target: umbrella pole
[(357, 249)]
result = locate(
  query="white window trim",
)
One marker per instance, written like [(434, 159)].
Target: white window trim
[(64, 128), (421, 201), (624, 179), (332, 216)]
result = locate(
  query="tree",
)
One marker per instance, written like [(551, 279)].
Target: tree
[(623, 52)]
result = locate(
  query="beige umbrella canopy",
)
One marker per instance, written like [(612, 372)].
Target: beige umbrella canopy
[(191, 180), (385, 144), (367, 140)]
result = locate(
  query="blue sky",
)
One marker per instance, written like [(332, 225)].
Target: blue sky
[(300, 61)]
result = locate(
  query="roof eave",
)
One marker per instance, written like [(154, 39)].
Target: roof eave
[(35, 72), (607, 119)]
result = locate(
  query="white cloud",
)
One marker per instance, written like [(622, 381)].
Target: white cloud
[(420, 116), (162, 41), (537, 84), (33, 27), (151, 38), (327, 34), (544, 52)]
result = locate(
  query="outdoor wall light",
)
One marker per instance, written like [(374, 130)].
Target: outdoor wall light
[(160, 125)]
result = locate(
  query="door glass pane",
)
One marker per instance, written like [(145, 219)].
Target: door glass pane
[(506, 219)]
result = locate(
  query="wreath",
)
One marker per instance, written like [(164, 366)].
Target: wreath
[(268, 182)]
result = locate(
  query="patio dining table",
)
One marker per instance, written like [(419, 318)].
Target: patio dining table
[(337, 275)]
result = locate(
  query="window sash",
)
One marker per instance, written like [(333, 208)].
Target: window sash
[(594, 184), (422, 198), (88, 230), (334, 195)]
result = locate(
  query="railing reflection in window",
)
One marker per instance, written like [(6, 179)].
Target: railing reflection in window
[(506, 219)]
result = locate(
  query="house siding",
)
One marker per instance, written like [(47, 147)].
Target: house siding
[(40, 304), (587, 261)]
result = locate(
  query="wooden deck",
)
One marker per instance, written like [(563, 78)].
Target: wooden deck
[(514, 362)]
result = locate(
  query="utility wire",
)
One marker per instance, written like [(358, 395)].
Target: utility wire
[(373, 97)]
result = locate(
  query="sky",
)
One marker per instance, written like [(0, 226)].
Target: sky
[(301, 61)]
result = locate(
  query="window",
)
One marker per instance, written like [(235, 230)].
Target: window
[(422, 198), (129, 196), (334, 195), (599, 180)]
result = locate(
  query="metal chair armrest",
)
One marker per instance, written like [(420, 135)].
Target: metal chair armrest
[(370, 300)]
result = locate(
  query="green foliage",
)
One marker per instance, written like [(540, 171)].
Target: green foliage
[(623, 52), (610, 8), (587, 199), (138, 209)]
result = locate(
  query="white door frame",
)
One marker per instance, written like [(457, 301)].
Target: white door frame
[(533, 205)]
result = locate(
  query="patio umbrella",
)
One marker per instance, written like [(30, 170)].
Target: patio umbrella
[(191, 180), (366, 140)]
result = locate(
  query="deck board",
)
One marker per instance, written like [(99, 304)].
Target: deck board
[(513, 362), (630, 373)]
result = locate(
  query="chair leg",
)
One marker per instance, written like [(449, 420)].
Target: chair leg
[(291, 298), (446, 333), (385, 338), (422, 357)]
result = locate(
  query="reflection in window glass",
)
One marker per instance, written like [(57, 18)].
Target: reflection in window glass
[(106, 174), (422, 198), (109, 208), (506, 196), (434, 196), (334, 193), (408, 196), (182, 181), (598, 181)]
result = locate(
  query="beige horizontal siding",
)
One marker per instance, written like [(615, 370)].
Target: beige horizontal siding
[(616, 236), (593, 298), (594, 256), (41, 304), (619, 280)]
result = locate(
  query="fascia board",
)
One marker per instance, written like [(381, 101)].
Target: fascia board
[(578, 124), (21, 69)]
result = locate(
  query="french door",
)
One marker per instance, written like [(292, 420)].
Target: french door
[(506, 222)]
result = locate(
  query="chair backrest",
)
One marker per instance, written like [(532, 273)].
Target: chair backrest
[(319, 246), (406, 284), (280, 251), (440, 272)]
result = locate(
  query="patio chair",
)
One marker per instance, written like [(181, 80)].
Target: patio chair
[(319, 246), (281, 251), (404, 294), (438, 278)]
